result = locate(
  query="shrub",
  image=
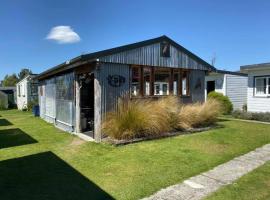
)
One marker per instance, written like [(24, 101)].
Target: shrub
[(31, 104), (139, 118), (265, 117), (225, 102), (199, 114)]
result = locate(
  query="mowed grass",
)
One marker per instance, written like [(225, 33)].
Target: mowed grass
[(127, 172), (255, 185)]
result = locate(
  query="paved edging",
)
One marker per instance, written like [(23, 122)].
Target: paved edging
[(200, 186)]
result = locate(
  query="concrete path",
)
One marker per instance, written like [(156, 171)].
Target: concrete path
[(198, 187)]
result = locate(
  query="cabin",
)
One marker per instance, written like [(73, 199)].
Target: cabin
[(77, 94), (230, 84), (27, 92), (258, 92), (7, 97)]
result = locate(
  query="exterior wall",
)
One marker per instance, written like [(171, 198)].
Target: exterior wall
[(3, 100), (197, 86), (25, 96), (22, 95), (257, 104), (150, 55), (236, 90), (220, 85), (59, 111)]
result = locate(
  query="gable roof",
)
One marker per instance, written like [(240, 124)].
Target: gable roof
[(96, 55)]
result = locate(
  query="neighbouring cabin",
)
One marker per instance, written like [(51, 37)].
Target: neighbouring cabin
[(231, 84), (258, 97), (7, 97), (77, 94), (27, 92)]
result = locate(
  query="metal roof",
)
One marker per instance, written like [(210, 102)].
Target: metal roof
[(255, 66), (96, 55), (230, 72)]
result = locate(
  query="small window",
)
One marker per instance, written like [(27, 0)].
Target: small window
[(135, 81), (185, 83), (176, 76), (165, 49), (34, 89), (146, 80), (19, 90), (262, 86)]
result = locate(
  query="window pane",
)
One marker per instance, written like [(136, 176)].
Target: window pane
[(161, 82), (135, 86), (175, 82), (184, 83), (146, 80), (261, 86)]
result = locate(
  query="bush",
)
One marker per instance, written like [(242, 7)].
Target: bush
[(199, 114), (264, 117), (225, 102), (31, 104), (139, 118)]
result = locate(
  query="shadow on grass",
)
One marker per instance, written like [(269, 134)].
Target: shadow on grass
[(45, 176), (4, 122), (14, 137)]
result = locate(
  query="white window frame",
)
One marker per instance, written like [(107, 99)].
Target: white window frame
[(267, 94)]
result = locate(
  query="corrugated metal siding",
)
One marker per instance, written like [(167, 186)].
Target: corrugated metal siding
[(197, 79), (257, 104), (110, 94), (236, 90), (150, 55)]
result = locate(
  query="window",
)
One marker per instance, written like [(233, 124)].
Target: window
[(262, 86), (161, 83), (165, 49), (146, 80), (176, 78), (135, 81), (185, 83), (19, 90)]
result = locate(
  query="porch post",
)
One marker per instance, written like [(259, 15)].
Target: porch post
[(77, 105)]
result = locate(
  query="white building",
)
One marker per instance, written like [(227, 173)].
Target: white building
[(231, 84), (258, 99), (27, 91)]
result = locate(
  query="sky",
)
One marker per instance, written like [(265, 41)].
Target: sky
[(40, 34)]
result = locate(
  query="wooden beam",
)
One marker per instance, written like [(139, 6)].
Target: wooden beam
[(171, 82), (77, 105), (180, 78), (152, 80)]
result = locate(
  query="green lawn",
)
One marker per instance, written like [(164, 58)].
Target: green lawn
[(38, 161), (255, 185)]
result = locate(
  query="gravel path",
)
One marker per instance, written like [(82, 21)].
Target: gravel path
[(200, 186)]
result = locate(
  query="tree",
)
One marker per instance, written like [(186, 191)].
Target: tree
[(10, 80), (23, 73)]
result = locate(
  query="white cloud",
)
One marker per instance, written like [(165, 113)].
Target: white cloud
[(63, 35)]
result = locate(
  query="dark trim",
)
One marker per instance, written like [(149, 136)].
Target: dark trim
[(232, 73), (96, 55), (255, 66)]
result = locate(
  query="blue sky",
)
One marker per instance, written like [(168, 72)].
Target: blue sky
[(237, 32)]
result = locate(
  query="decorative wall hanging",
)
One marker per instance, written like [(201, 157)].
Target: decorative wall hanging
[(116, 80)]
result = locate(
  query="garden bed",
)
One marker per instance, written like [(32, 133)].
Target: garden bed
[(116, 142)]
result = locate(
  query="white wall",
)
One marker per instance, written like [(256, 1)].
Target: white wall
[(233, 86), (22, 96), (236, 90), (257, 104)]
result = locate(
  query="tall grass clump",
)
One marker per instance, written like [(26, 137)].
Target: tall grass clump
[(140, 118), (199, 114)]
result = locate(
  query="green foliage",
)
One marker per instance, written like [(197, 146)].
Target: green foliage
[(31, 104), (23, 73), (264, 117), (10, 80), (225, 102)]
